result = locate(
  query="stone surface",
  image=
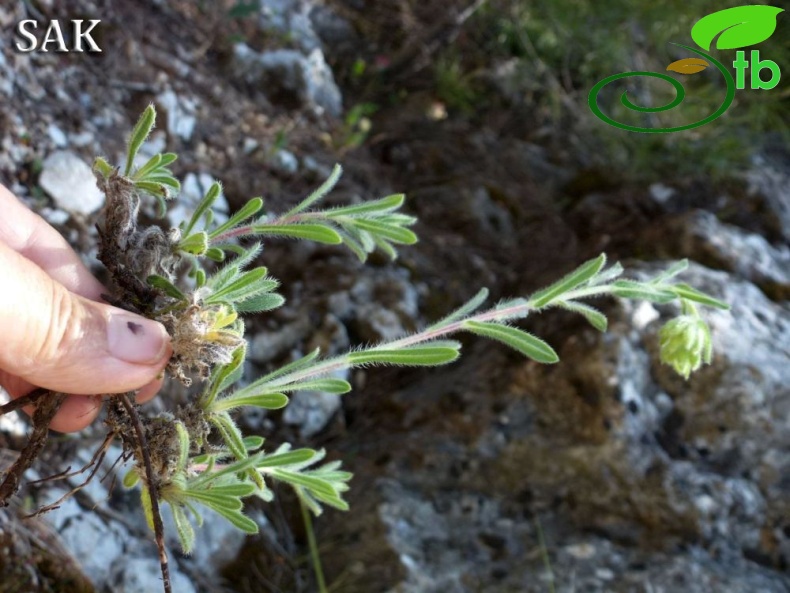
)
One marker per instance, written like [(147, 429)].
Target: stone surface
[(70, 183), (291, 77), (311, 411), (180, 113), (142, 575)]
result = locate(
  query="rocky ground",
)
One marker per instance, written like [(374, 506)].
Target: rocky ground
[(605, 473)]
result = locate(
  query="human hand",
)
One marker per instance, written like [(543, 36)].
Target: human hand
[(56, 332)]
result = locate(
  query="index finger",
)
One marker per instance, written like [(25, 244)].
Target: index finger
[(28, 234)]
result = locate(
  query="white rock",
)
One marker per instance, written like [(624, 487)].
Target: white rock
[(57, 135), (180, 113), (70, 182), (286, 71), (285, 161)]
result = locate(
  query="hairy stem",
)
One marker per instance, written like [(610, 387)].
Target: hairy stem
[(153, 489)]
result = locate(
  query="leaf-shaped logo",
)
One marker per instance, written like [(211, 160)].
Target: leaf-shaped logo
[(739, 26), (688, 66)]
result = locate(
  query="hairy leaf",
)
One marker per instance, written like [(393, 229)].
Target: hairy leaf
[(319, 193), (312, 232), (432, 354), (518, 339), (579, 276), (690, 293), (630, 289), (140, 132)]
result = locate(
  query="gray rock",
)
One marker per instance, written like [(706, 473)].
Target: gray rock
[(661, 193), (7, 77), (57, 135), (291, 17), (748, 254), (311, 411), (70, 183), (615, 445), (142, 575), (376, 324), (305, 79), (770, 177), (266, 346), (285, 161), (180, 112)]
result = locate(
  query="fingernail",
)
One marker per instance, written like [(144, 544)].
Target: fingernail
[(136, 339)]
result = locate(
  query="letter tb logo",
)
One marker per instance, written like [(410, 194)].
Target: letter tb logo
[(732, 28)]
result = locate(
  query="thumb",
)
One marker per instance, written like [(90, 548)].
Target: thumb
[(61, 341)]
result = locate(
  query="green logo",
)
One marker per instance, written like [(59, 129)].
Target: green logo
[(735, 27)]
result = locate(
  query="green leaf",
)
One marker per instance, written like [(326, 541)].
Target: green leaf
[(166, 286), (200, 278), (186, 535), (196, 243), (466, 309), (155, 189), (579, 276), (387, 204), (239, 520), (672, 271), (238, 490), (131, 479), (242, 465), (249, 283), (336, 386), (149, 166), (315, 485), (291, 367), (390, 232), (312, 232), (260, 303), (740, 26), (216, 500), (215, 254), (208, 200), (299, 456), (183, 444), (529, 345), (253, 442), (388, 249), (689, 293), (232, 269), (231, 435), (141, 131), (432, 354), (268, 401), (240, 216), (319, 193), (610, 273), (630, 289), (221, 374), (103, 167), (353, 244), (591, 314)]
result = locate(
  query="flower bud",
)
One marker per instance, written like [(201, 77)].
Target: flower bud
[(685, 344)]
